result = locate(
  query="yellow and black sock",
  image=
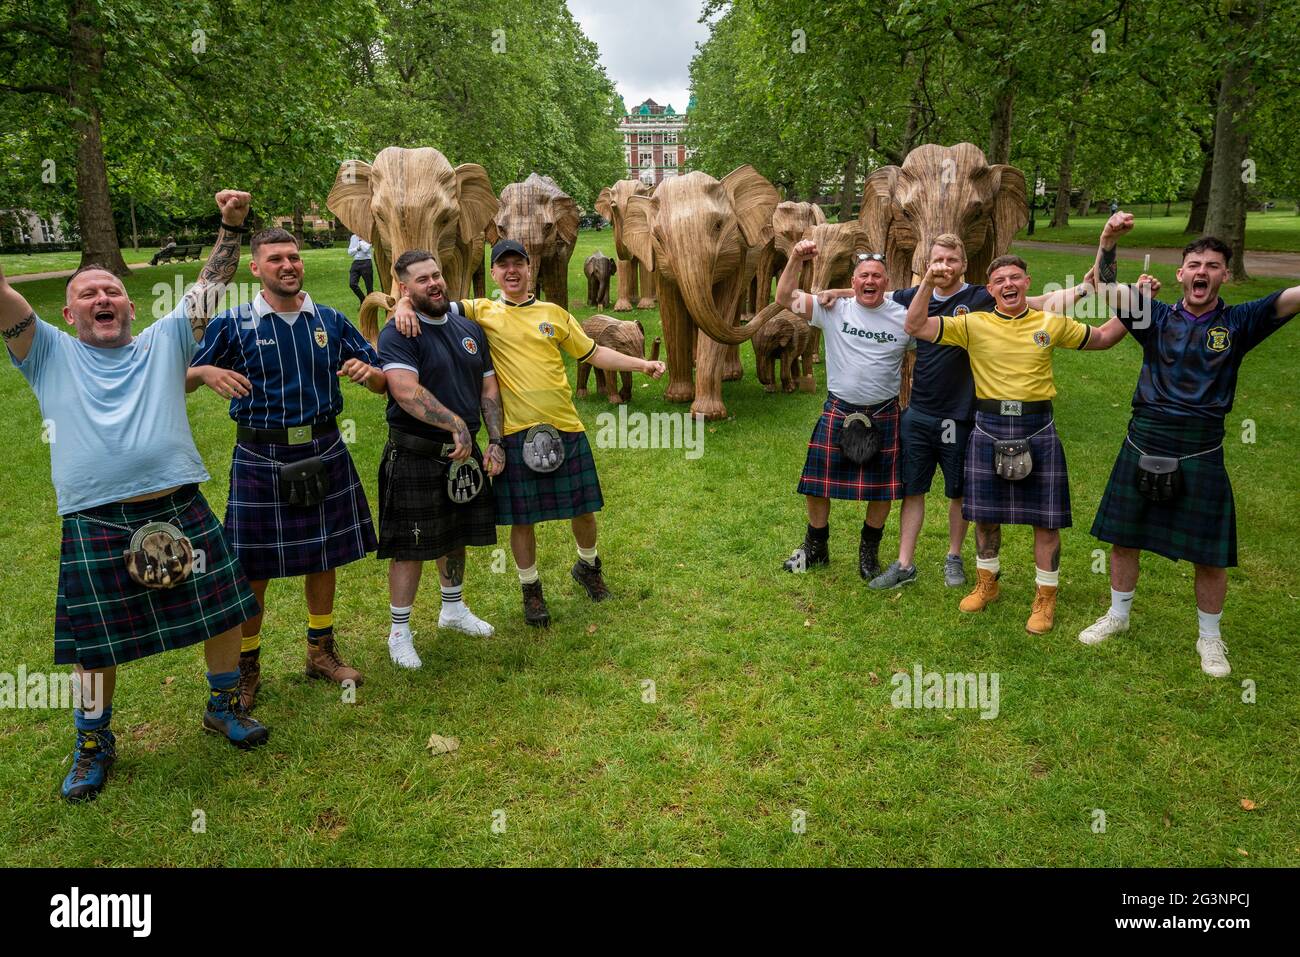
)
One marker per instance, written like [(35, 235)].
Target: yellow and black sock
[(318, 627), (251, 646)]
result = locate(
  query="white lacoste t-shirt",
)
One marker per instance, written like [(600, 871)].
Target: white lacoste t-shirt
[(863, 349)]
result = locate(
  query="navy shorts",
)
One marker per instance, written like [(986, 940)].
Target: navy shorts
[(929, 442)]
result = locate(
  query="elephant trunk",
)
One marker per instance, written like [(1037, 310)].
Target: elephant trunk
[(701, 303)]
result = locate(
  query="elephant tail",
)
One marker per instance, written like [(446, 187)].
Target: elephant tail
[(369, 315)]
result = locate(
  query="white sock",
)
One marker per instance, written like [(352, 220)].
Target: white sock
[(1121, 603), (993, 564), (1209, 624), (453, 600), (588, 555), (527, 575), (1043, 577), (401, 617)]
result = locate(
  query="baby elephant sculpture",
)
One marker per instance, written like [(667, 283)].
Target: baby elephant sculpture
[(625, 337), (787, 342), (598, 268)]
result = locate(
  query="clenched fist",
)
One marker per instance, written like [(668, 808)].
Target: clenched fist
[(1118, 224), (804, 250), (234, 206)]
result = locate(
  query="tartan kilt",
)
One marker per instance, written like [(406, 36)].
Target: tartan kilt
[(274, 539), (828, 474), (1041, 499), (417, 521), (103, 618), (1200, 525), (525, 497)]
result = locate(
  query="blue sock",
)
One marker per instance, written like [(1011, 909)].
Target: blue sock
[(92, 724), (226, 681)]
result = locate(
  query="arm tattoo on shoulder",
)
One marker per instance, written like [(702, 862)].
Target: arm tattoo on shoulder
[(1107, 269), (16, 330), (205, 296)]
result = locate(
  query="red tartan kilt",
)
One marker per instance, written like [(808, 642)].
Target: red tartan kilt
[(828, 474)]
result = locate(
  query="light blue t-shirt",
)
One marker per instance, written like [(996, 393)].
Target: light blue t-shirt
[(115, 418)]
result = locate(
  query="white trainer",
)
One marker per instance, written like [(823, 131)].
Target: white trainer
[(402, 650), (1214, 657), (467, 623), (1103, 628)]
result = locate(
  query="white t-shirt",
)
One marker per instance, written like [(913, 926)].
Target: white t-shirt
[(863, 349)]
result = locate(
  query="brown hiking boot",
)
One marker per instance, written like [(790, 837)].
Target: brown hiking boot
[(250, 680), (535, 612), (985, 593), (590, 578), (1043, 616), (323, 661)]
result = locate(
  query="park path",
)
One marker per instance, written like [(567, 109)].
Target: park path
[(59, 274), (1257, 263)]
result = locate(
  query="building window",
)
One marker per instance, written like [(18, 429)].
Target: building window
[(647, 161), (643, 138), (670, 138), (670, 160), (47, 234)]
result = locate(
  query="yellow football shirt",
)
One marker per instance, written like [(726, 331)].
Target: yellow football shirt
[(1011, 358), (526, 339)]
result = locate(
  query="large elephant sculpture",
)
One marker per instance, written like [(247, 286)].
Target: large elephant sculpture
[(544, 218), (942, 189), (621, 336), (695, 234), (414, 199), (635, 281), (791, 222)]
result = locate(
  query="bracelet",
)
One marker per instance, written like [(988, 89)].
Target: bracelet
[(233, 229), (492, 442)]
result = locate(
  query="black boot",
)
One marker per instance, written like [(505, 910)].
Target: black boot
[(590, 578), (815, 550), (869, 552), (535, 612)]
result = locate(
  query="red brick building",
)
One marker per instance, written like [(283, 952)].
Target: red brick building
[(654, 142)]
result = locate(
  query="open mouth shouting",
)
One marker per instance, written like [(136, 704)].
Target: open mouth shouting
[(105, 318)]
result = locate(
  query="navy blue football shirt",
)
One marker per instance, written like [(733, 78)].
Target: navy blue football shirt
[(451, 358), (942, 384)]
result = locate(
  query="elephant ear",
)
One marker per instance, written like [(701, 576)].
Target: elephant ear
[(638, 219), (1010, 206), (349, 199), (605, 204), (566, 219), (754, 199), (877, 210), (478, 204), (818, 214), (491, 233)]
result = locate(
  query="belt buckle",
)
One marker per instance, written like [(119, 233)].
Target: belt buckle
[(298, 435), (1012, 407)]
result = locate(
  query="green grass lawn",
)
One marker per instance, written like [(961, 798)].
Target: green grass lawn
[(772, 692), (1275, 231), (22, 264)]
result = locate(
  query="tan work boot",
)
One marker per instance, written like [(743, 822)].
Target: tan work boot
[(250, 680), (985, 593), (1043, 616), (323, 661)]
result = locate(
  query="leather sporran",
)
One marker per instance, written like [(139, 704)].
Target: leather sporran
[(159, 556), (859, 439), (1159, 478), (304, 483), (1012, 458)]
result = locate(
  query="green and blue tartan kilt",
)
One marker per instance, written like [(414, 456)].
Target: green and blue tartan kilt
[(525, 497), (103, 618), (1200, 525)]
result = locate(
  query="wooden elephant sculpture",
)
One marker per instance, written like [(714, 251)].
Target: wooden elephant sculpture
[(784, 342), (791, 222), (621, 336), (598, 269), (544, 218), (635, 281), (414, 199)]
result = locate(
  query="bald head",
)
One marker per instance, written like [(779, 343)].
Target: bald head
[(98, 307)]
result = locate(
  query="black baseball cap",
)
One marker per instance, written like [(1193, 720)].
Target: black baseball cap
[(508, 246)]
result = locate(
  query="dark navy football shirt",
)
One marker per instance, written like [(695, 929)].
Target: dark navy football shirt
[(1189, 364), (942, 384), (451, 358), (292, 362)]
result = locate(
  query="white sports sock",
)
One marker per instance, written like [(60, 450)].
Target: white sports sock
[(588, 555), (1121, 603), (453, 600), (401, 617), (993, 564), (1209, 624), (1043, 577), (527, 575)]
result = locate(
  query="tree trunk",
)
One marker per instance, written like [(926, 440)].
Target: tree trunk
[(848, 188), (94, 207), (297, 225), (1085, 203), (1061, 212), (135, 233), (1000, 122), (1225, 216), (1201, 198)]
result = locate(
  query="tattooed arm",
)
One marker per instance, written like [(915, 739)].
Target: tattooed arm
[(205, 295), (17, 320), (490, 402), (420, 403)]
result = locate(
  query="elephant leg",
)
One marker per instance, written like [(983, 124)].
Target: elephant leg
[(763, 366), (626, 284), (732, 371), (591, 291), (479, 281), (603, 295), (647, 300), (557, 280), (679, 339), (584, 370), (789, 363), (625, 393), (815, 348), (708, 379), (905, 387), (806, 382)]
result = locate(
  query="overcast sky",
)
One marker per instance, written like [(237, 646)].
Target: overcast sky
[(646, 48)]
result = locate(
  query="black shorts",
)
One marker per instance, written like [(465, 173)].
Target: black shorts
[(417, 521), (928, 442)]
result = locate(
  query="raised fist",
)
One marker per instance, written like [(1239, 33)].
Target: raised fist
[(804, 250), (233, 205), (1118, 224)]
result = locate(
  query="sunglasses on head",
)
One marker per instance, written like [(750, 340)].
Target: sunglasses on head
[(868, 257)]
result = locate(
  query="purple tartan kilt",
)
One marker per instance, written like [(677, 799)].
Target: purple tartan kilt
[(1041, 499), (828, 474), (276, 540)]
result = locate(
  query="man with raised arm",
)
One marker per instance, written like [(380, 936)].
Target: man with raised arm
[(144, 565), (1169, 491)]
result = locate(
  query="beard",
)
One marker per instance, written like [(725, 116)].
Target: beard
[(432, 308), (284, 288)]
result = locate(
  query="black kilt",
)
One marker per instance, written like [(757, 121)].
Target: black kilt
[(827, 473), (417, 521), (1200, 525), (1040, 499), (525, 497)]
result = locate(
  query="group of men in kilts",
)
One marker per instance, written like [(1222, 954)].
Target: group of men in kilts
[(981, 408), (145, 567)]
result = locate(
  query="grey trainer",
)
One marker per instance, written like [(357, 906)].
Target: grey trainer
[(895, 576), (954, 571)]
